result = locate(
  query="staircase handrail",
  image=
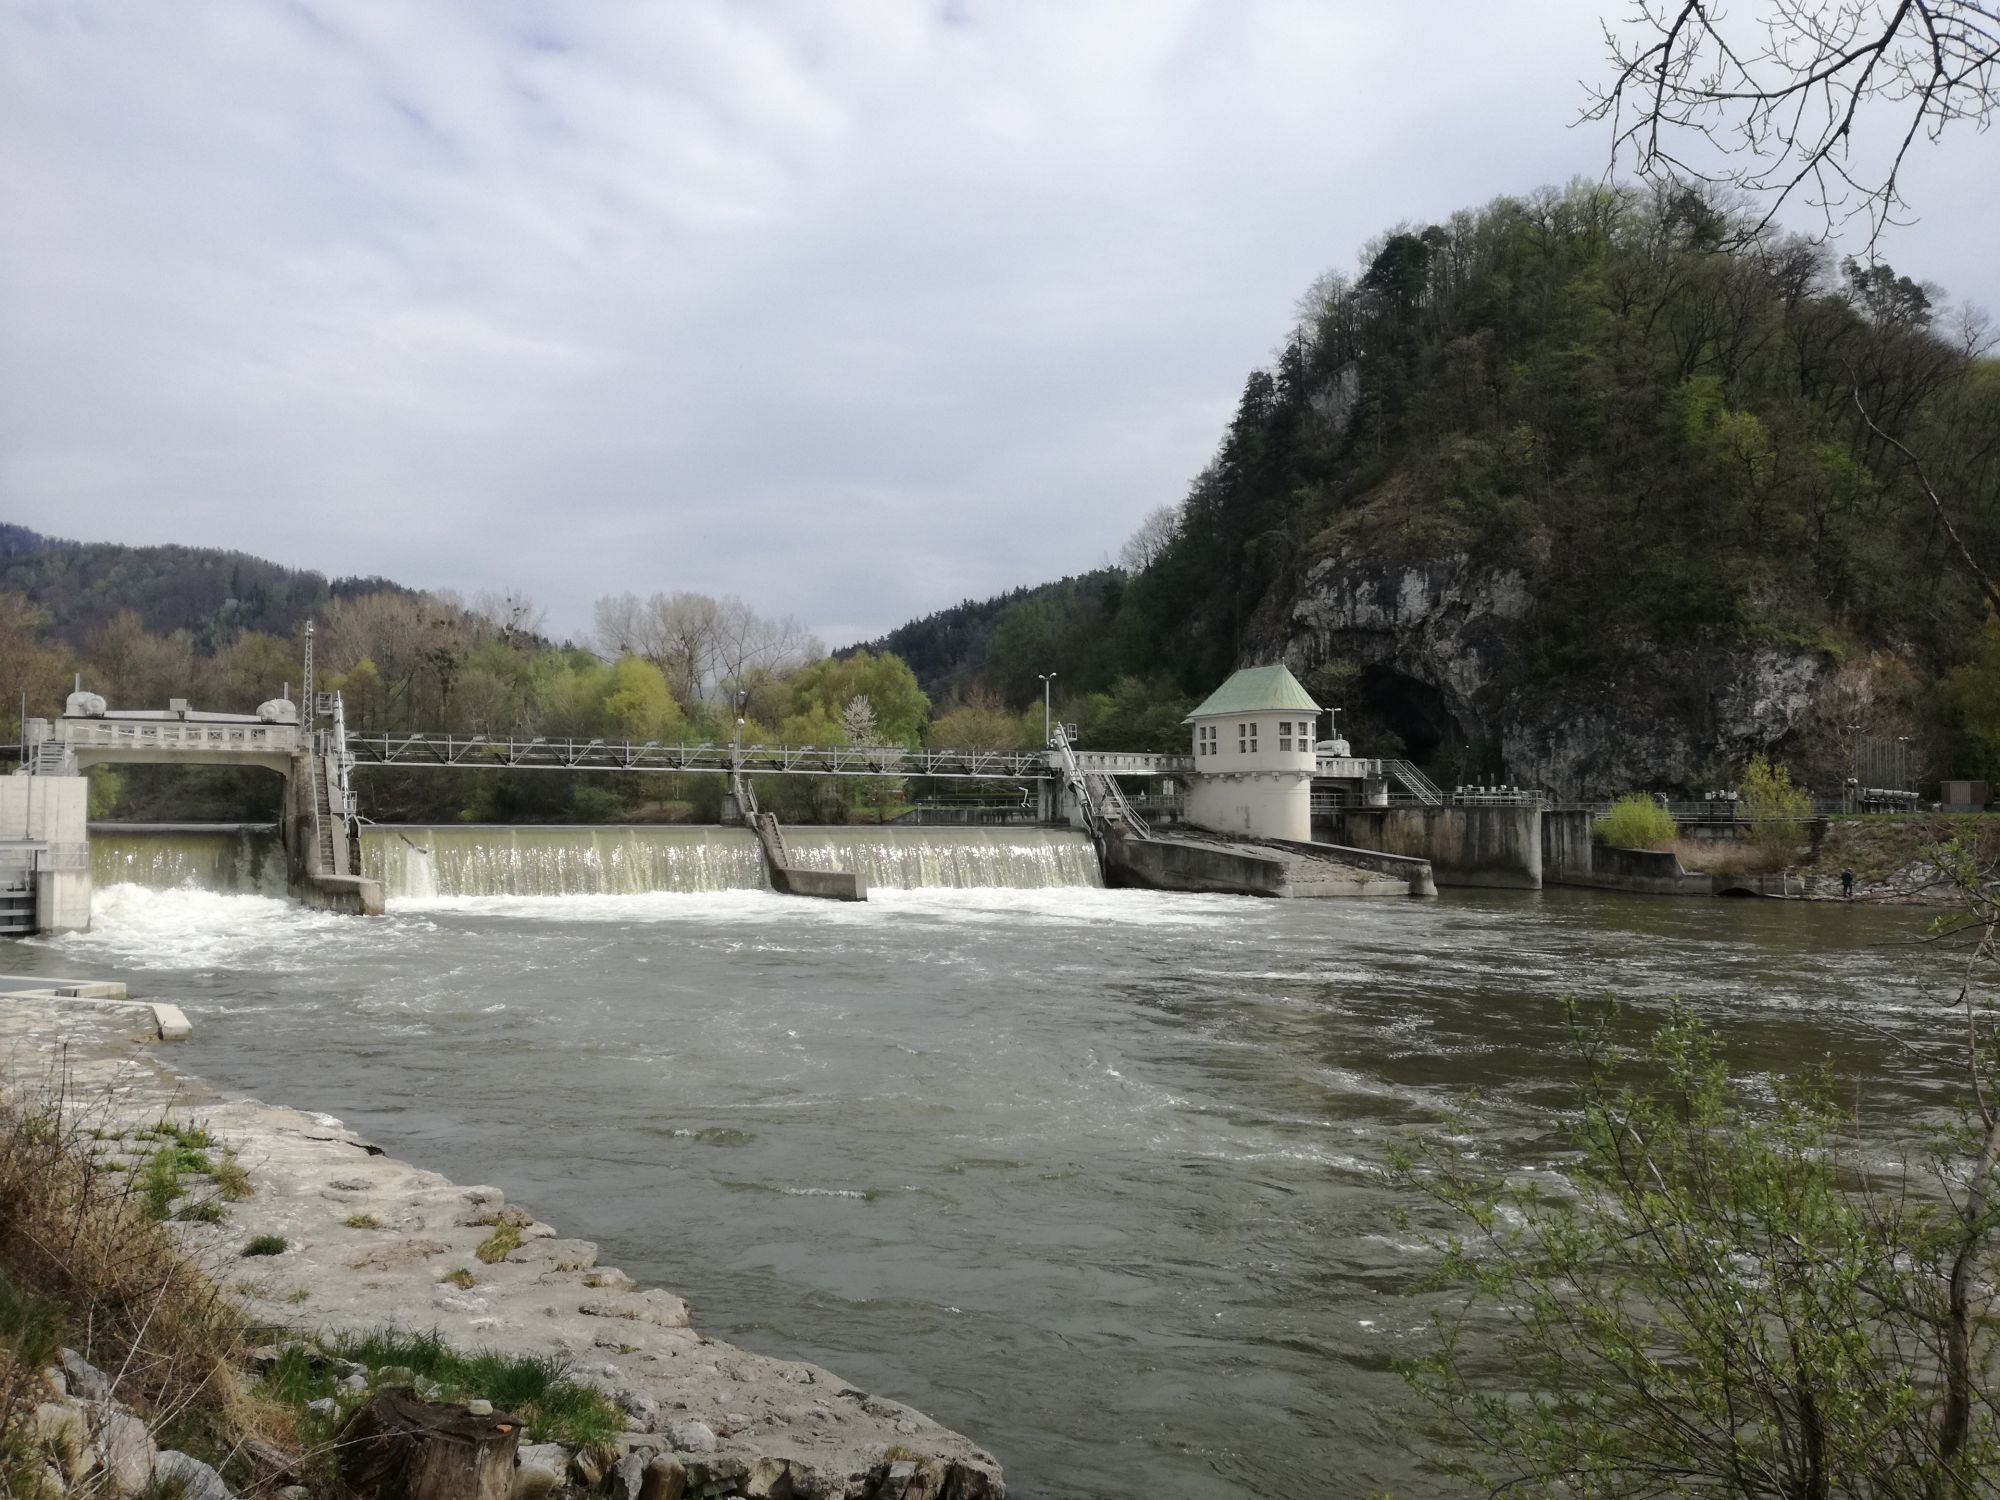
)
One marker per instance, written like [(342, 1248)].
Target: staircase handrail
[(1420, 786), (1121, 806), (1073, 774)]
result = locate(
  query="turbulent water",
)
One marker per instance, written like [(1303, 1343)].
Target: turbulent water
[(1095, 1176)]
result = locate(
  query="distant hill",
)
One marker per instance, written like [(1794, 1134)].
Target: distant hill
[(1001, 642), (210, 593)]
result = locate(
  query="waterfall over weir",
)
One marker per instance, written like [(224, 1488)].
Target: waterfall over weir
[(237, 859), (417, 863)]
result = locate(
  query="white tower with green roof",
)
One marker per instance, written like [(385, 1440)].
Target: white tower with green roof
[(1253, 756)]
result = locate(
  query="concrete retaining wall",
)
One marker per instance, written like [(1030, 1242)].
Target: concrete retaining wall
[(1573, 855), (1415, 873), (1482, 846), (1163, 865)]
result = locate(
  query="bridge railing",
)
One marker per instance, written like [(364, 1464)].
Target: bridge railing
[(543, 753), (168, 734)]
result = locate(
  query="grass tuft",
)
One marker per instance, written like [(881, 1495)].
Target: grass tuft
[(363, 1221), (266, 1244), (230, 1179), (501, 1243), (537, 1389), (462, 1278)]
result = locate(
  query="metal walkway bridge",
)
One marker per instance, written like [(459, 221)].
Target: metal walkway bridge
[(469, 752)]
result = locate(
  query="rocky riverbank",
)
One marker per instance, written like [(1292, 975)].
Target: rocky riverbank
[(323, 1235)]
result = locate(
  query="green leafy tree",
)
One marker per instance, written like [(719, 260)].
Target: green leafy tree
[(1728, 1298), (641, 704), (982, 723), (890, 687), (1973, 690), (1777, 810)]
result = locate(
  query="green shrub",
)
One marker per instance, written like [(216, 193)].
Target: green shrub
[(1777, 810), (1635, 821)]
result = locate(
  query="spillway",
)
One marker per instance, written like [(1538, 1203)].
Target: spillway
[(418, 863), (415, 863), (238, 859)]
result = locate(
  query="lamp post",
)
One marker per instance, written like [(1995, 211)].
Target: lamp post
[(1902, 762), (1048, 733)]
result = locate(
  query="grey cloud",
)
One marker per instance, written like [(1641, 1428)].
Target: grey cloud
[(850, 310)]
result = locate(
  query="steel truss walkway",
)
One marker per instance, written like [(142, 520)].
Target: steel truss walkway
[(490, 752)]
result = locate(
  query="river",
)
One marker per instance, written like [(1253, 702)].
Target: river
[(1094, 1176)]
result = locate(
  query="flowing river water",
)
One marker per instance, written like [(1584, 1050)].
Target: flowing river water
[(1094, 1176)]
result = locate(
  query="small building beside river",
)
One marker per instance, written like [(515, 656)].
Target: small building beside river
[(1254, 756)]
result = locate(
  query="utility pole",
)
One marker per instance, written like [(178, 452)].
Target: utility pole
[(1048, 733), (306, 688)]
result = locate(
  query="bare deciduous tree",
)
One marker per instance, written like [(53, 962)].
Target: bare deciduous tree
[(1816, 97), (1150, 540), (699, 642), (511, 614)]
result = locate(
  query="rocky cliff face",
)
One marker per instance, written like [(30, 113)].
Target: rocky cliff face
[(1439, 648)]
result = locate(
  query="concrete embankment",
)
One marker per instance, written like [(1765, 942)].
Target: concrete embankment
[(1210, 863), (371, 1242)]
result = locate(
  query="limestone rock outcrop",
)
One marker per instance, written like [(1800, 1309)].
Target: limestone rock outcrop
[(1441, 642)]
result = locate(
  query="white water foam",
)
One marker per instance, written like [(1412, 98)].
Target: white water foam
[(936, 905), (196, 929)]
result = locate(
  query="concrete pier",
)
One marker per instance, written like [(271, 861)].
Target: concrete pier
[(45, 848)]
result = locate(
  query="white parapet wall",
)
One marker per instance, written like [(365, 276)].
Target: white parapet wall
[(54, 812)]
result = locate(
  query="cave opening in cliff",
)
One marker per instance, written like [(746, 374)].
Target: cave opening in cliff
[(1395, 716)]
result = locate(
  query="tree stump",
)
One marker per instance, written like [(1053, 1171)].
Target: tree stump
[(399, 1448)]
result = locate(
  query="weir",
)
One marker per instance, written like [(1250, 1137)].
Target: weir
[(418, 863)]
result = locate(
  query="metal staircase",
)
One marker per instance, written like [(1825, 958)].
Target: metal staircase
[(1102, 808), (1415, 782), (764, 824), (50, 758)]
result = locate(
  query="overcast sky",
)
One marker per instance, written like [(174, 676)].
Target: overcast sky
[(855, 309)]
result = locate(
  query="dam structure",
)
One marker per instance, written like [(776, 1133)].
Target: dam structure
[(1237, 810), (49, 798)]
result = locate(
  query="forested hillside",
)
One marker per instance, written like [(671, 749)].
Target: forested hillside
[(211, 594), (1589, 488)]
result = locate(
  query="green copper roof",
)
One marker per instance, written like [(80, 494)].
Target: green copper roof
[(1256, 690)]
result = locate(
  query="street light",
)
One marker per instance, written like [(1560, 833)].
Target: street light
[(1047, 732)]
